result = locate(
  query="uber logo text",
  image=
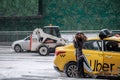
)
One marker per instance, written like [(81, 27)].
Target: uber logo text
[(99, 66)]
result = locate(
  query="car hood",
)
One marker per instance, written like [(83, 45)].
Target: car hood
[(18, 41)]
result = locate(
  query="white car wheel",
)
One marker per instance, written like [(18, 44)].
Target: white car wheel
[(43, 51), (17, 48)]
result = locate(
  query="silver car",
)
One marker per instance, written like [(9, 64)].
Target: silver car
[(21, 45)]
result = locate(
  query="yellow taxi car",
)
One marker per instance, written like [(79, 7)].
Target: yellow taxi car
[(103, 57)]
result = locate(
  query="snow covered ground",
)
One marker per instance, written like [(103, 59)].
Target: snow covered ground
[(25, 65), (28, 66)]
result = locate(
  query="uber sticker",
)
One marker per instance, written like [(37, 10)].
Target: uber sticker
[(98, 66)]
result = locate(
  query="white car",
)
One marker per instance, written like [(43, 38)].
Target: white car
[(21, 45)]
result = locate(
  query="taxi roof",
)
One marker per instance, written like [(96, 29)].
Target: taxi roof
[(109, 38)]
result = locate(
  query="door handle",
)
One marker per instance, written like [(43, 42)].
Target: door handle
[(108, 56)]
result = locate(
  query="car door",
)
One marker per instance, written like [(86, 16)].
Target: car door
[(26, 43), (112, 57), (93, 53)]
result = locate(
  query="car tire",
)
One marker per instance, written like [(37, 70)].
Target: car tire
[(71, 69), (43, 50), (18, 48)]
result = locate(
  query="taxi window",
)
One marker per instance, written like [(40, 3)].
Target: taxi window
[(112, 46), (92, 45)]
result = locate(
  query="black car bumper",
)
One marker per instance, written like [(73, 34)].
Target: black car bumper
[(57, 69)]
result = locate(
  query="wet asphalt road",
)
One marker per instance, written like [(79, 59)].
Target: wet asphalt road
[(28, 66)]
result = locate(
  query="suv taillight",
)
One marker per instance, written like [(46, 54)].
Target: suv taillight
[(59, 52)]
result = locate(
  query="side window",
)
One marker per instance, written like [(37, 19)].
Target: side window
[(112, 46), (92, 45), (28, 38)]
